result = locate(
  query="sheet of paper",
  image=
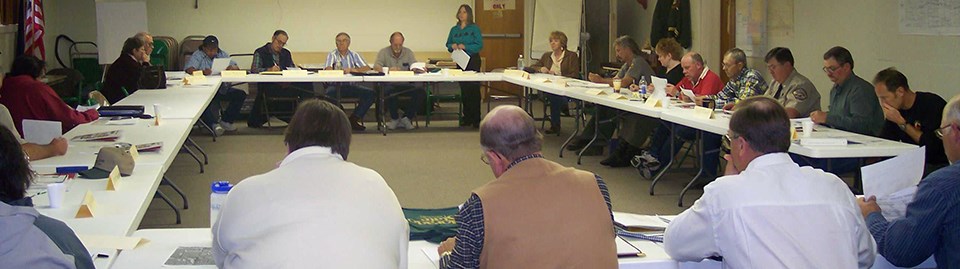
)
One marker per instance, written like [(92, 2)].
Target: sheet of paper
[(114, 242), (431, 253), (894, 174), (219, 64), (894, 205), (85, 108), (418, 65), (659, 85), (623, 247), (641, 221), (191, 256), (41, 131), (460, 57), (689, 94)]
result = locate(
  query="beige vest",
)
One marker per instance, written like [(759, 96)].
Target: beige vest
[(540, 214)]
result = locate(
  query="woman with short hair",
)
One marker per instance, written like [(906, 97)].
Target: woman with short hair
[(561, 62)]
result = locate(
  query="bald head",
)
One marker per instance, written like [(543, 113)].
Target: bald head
[(692, 64), (510, 131)]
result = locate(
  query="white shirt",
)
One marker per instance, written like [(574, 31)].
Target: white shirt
[(314, 211), (774, 214)]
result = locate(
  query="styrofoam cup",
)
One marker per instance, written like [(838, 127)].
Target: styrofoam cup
[(56, 192), (807, 128)]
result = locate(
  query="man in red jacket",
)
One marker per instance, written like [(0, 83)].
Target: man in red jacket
[(28, 98)]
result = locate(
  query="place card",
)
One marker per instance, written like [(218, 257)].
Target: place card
[(516, 73), (704, 113), (596, 92), (330, 73), (113, 180), (233, 73), (294, 73), (654, 102), (401, 74), (87, 207), (617, 96)]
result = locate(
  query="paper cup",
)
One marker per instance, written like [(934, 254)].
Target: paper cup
[(56, 192), (807, 128), (386, 70)]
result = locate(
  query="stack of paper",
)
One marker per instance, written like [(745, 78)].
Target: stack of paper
[(894, 181), (640, 221)]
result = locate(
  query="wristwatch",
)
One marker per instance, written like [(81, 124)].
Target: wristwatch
[(903, 127)]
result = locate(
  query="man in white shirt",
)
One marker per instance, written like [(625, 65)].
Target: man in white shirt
[(316, 210), (768, 212)]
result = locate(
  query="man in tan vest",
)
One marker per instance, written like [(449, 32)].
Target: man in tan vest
[(537, 213)]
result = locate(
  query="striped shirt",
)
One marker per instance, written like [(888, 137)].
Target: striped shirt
[(931, 225), (749, 83), (338, 61), (466, 252)]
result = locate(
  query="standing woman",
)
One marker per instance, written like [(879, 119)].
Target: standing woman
[(466, 36), (561, 62)]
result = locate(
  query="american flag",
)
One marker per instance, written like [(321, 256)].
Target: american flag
[(33, 29)]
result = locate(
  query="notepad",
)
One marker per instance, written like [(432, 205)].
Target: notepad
[(41, 131)]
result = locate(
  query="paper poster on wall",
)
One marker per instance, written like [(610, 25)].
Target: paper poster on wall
[(117, 21), (752, 27), (499, 4), (930, 17)]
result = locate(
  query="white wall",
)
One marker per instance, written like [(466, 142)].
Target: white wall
[(870, 30)]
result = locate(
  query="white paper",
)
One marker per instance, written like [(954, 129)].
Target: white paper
[(41, 131), (689, 94), (894, 174), (625, 248), (418, 65), (219, 64), (894, 205), (640, 221), (461, 58), (659, 85), (85, 108), (432, 254)]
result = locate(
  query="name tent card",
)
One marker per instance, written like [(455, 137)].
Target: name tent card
[(401, 74), (516, 73), (704, 113), (596, 92), (294, 73), (233, 73), (653, 102), (113, 180), (87, 207), (330, 73), (617, 96)]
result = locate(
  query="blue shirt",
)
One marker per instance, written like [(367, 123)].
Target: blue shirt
[(466, 252), (931, 224), (200, 61), (351, 60), (469, 36)]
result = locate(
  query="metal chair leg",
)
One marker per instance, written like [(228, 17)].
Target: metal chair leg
[(176, 210), (168, 182)]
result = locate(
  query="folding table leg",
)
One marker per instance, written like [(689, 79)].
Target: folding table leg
[(176, 210), (168, 182)]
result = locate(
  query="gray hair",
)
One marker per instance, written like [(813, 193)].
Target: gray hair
[(627, 42), (951, 113), (142, 36), (511, 132), (696, 57), (738, 55)]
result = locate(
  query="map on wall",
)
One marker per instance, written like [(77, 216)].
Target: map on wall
[(751, 21), (930, 17)]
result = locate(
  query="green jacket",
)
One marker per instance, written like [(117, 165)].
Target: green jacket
[(854, 107)]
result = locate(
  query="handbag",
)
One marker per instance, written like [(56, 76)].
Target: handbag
[(153, 77)]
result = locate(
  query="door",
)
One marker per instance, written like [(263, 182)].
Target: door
[(728, 31), (502, 30)]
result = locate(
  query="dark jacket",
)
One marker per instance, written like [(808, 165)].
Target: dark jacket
[(61, 235), (124, 72), (671, 18), (265, 53)]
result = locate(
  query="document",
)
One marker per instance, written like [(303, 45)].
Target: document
[(895, 174), (640, 221), (191, 256), (461, 58), (689, 94), (894, 206), (432, 254), (659, 85), (219, 64), (41, 131)]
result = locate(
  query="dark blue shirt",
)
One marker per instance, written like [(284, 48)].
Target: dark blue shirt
[(931, 224)]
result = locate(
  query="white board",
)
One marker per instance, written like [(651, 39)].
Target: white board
[(117, 21), (555, 15)]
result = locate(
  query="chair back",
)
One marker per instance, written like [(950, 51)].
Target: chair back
[(189, 45)]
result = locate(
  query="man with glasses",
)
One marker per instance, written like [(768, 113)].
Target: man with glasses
[(932, 221), (853, 105), (793, 90), (768, 212), (537, 213), (911, 117), (342, 58), (273, 57), (744, 82)]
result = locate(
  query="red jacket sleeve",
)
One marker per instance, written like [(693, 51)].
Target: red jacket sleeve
[(59, 110)]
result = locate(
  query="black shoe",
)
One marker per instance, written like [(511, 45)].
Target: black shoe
[(593, 151), (252, 124), (553, 130), (355, 124)]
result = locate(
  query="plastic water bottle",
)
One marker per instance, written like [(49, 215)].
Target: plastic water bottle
[(643, 88), (218, 194), (520, 62)]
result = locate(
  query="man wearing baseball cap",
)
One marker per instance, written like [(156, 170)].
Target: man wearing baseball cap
[(202, 60)]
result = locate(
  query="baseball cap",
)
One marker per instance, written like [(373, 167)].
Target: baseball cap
[(107, 158), (211, 40)]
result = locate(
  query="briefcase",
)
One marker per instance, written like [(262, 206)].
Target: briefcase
[(118, 111), (153, 77)]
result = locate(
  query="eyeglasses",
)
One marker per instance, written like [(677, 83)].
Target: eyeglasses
[(726, 143), (484, 158), (830, 69), (940, 131)]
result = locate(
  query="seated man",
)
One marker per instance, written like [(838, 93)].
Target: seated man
[(315, 209), (27, 98), (202, 60), (912, 117), (702, 81), (29, 239), (853, 108), (347, 60), (398, 58), (519, 220), (744, 82), (56, 147), (122, 78), (768, 212), (273, 57), (794, 91), (932, 221)]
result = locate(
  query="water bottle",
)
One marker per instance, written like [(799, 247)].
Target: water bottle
[(520, 62), (643, 88), (218, 194)]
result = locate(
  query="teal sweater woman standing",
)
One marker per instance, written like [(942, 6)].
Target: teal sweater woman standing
[(466, 36)]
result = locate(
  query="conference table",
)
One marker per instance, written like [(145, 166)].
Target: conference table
[(119, 212)]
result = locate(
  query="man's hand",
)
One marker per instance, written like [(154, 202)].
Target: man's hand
[(233, 67), (868, 205), (207, 72), (671, 89), (274, 68), (593, 77), (58, 146), (730, 169), (544, 70), (818, 117), (729, 106), (892, 114), (447, 245)]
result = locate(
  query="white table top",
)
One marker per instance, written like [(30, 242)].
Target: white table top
[(280, 78), (177, 102), (350, 78), (172, 132)]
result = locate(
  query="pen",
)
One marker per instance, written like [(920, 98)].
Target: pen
[(638, 254)]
